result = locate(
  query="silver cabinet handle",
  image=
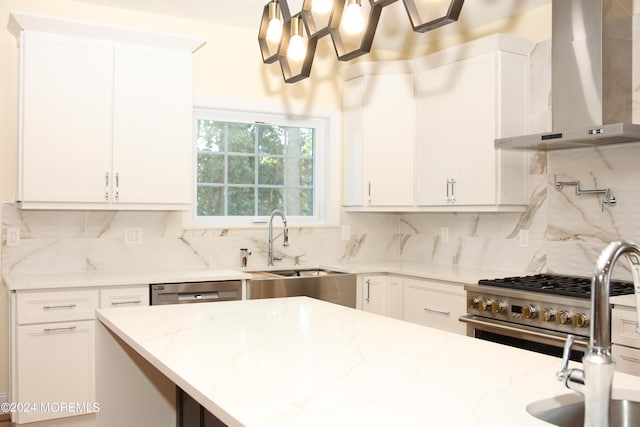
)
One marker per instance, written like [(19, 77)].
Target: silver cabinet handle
[(367, 299), (116, 303), (448, 182), (68, 328), (106, 188), (435, 310), (369, 191), (49, 307), (117, 186), (453, 190)]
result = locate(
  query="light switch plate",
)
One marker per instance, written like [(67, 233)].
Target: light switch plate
[(13, 236), (523, 238), (132, 235), (444, 234), (345, 232)]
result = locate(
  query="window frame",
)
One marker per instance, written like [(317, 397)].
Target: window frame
[(326, 184)]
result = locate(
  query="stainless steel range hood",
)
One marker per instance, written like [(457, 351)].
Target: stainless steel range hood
[(591, 78)]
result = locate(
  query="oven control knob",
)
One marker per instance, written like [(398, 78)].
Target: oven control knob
[(548, 315), (485, 304), (563, 317), (498, 306), (580, 320), (529, 312), (473, 302)]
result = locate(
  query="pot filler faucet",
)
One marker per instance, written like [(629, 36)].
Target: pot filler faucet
[(285, 238), (596, 377)]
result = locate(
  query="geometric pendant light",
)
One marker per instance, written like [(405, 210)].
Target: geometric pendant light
[(291, 39)]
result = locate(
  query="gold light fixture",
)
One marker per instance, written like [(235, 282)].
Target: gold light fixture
[(291, 40)]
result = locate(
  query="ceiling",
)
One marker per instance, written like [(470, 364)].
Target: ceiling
[(393, 32)]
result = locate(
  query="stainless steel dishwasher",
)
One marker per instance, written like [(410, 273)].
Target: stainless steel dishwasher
[(325, 285), (191, 292)]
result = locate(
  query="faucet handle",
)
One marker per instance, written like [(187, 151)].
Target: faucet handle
[(572, 378), (563, 372)]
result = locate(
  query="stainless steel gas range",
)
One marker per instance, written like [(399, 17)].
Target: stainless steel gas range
[(534, 312)]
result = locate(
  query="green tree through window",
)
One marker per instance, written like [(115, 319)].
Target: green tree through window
[(250, 169)]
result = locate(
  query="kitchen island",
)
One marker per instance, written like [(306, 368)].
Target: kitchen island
[(303, 362)]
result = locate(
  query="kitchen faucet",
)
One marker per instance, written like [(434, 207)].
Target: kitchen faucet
[(595, 379), (285, 238)]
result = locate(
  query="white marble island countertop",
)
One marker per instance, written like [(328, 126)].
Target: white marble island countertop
[(302, 362)]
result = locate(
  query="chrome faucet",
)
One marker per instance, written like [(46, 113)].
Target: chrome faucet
[(596, 377), (285, 238)]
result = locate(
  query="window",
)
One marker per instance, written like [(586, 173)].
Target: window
[(250, 164)]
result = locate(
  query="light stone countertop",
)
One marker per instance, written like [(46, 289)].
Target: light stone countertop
[(302, 362), (116, 278), (450, 273)]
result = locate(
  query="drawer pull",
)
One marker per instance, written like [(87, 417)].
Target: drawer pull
[(49, 307), (433, 310), (68, 328), (116, 303)]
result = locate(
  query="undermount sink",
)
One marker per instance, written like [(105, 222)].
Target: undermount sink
[(304, 273), (568, 411)]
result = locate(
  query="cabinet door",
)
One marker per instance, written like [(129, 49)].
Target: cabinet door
[(395, 297), (438, 134), (476, 169), (389, 140), (65, 118), (374, 294), (56, 365), (152, 146), (353, 111)]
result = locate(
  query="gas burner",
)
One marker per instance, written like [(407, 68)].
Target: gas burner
[(570, 286)]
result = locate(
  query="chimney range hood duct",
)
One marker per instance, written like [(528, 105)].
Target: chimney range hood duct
[(591, 81)]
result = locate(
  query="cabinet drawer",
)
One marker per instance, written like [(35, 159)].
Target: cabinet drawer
[(623, 327), (56, 306), (627, 359), (436, 307), (124, 296)]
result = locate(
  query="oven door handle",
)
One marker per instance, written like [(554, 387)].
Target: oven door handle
[(522, 331)]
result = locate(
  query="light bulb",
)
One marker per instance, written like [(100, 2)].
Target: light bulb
[(297, 49), (274, 30), (321, 6), (353, 20)]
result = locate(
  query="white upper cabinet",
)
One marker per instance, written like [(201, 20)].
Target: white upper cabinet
[(429, 145), (65, 118), (461, 109), (152, 148), (379, 136), (105, 119)]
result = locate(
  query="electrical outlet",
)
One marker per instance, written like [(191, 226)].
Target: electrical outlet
[(132, 235), (444, 234), (523, 238), (345, 232), (13, 236)]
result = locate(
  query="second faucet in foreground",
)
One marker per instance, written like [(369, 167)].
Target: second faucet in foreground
[(285, 238), (596, 377)]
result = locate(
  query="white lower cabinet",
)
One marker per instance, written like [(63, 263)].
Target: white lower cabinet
[(426, 302), (382, 295), (56, 367), (53, 348), (435, 304), (626, 342)]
